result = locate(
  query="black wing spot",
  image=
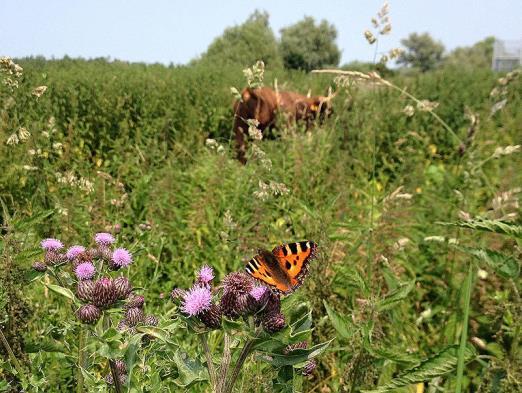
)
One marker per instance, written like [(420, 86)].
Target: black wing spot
[(285, 251), (288, 265), (303, 245), (297, 258), (267, 274), (295, 262), (293, 248)]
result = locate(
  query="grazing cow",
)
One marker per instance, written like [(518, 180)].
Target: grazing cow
[(263, 104)]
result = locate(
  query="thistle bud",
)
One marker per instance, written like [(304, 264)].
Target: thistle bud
[(273, 322), (53, 257), (151, 320), (104, 293), (39, 267), (121, 367), (85, 290), (211, 317), (123, 287), (135, 301), (133, 316), (309, 367), (88, 313)]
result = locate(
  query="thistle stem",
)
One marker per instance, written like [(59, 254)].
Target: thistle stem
[(247, 350), (210, 364), (81, 361), (112, 364), (225, 364), (14, 360)]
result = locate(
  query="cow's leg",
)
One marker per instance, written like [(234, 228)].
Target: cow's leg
[(241, 145)]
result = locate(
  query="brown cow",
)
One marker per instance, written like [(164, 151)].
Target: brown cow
[(263, 104)]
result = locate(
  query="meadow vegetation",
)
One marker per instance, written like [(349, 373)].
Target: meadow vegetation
[(411, 190)]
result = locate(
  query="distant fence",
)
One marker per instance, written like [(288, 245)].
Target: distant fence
[(507, 55)]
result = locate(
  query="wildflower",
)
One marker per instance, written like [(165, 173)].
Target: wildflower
[(85, 271), (110, 380), (395, 52), (205, 275), (386, 29), (133, 316), (197, 300), (39, 91), (408, 110), (258, 292), (12, 140), (88, 313), (39, 266), (505, 151), (104, 239), (31, 152), (121, 257), (369, 37), (85, 290), (135, 301), (123, 287), (253, 131), (211, 143), (57, 145), (51, 244), (30, 168), (74, 252), (427, 105), (236, 298), (401, 243), (104, 293), (23, 134), (309, 367)]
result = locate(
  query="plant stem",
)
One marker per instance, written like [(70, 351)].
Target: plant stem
[(210, 364), (14, 360), (464, 334), (81, 361), (225, 364), (112, 364), (247, 349)]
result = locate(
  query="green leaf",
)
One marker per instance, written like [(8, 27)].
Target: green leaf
[(341, 324), (189, 370), (483, 224), (441, 363), (395, 296), (297, 356), (397, 355), (504, 265), (28, 222), (61, 291), (43, 345)]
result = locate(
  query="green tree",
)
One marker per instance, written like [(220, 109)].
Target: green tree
[(471, 57), (308, 46), (245, 44), (422, 52)]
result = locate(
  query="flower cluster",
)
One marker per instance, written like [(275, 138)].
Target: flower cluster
[(95, 288), (239, 297)]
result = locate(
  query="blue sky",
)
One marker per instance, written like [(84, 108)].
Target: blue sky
[(176, 31)]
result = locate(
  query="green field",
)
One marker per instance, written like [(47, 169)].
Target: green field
[(416, 217)]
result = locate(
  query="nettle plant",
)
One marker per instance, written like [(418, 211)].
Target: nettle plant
[(251, 331), (105, 306)]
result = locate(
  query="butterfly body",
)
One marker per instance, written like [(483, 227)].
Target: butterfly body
[(285, 268)]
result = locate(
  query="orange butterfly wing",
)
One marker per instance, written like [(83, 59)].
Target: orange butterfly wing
[(258, 268), (294, 258)]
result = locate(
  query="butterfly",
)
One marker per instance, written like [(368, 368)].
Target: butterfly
[(285, 268)]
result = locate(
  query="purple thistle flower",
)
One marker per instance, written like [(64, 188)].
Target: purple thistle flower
[(197, 300), (205, 275), (74, 251), (121, 257), (85, 271), (258, 292), (104, 239), (51, 244)]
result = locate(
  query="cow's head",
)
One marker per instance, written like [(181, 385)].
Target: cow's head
[(321, 106)]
